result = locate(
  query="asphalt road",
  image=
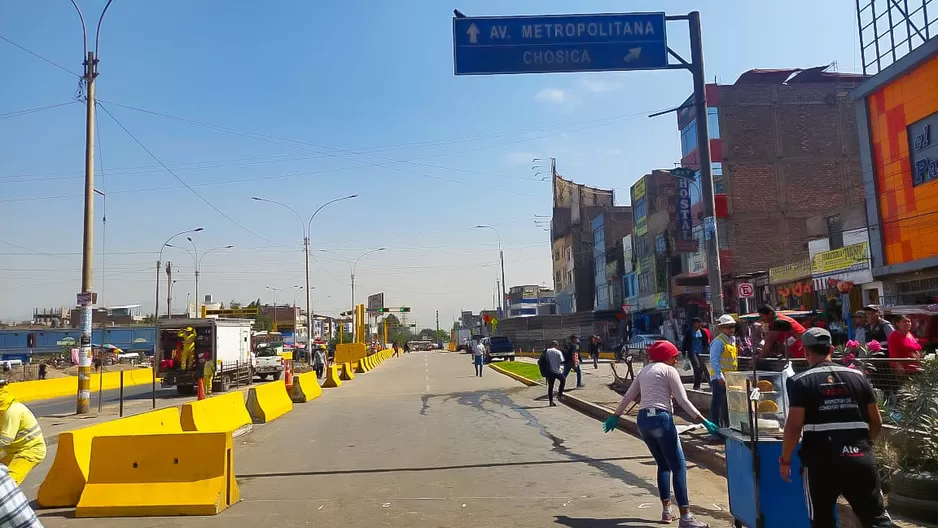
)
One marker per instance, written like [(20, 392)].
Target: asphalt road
[(422, 442), (63, 406)]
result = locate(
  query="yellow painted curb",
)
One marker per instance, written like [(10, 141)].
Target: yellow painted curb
[(517, 377)]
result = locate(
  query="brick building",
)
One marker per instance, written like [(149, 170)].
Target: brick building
[(785, 149)]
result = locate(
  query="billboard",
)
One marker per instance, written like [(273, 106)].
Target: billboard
[(375, 301), (627, 253), (684, 239)]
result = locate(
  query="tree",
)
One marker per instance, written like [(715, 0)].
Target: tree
[(392, 320), (262, 322)]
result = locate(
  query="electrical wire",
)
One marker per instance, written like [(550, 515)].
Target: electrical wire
[(27, 111), (178, 178), (40, 57)]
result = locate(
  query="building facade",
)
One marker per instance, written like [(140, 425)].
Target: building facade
[(897, 116), (784, 150), (609, 227), (530, 300)]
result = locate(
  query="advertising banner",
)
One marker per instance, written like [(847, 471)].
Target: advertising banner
[(375, 301), (684, 241), (855, 257), (790, 272), (627, 254)]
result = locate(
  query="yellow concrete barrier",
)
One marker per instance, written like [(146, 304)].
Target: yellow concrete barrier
[(26, 391), (268, 402), (347, 374), (362, 366), (222, 413), (305, 388), (69, 472), (332, 377), (349, 352), (159, 475)]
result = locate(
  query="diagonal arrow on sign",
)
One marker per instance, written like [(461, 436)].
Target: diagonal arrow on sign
[(634, 54)]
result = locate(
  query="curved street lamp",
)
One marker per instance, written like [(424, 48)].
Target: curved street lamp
[(352, 265), (307, 232), (501, 258)]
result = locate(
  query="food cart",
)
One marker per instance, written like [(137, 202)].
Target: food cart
[(758, 407)]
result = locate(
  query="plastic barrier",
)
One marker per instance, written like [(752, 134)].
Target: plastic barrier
[(349, 352), (69, 472), (268, 402), (332, 377), (305, 388), (347, 374), (159, 475), (26, 391), (222, 413)]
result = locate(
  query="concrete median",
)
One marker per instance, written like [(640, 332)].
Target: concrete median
[(268, 402), (332, 377), (362, 366), (347, 374), (159, 475), (305, 388), (349, 352), (69, 472), (26, 391), (222, 413)]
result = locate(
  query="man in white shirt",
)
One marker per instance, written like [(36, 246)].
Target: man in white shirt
[(478, 357), (554, 371)]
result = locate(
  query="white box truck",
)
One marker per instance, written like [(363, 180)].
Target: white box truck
[(221, 345)]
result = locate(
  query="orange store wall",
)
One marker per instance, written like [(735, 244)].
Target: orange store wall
[(909, 215)]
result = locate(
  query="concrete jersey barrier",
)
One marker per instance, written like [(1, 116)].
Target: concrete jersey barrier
[(347, 372), (332, 377), (26, 391), (305, 388), (159, 475), (222, 413), (69, 472), (268, 402)]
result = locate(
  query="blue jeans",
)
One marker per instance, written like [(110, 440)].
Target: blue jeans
[(579, 373), (719, 412), (660, 436), (478, 361)]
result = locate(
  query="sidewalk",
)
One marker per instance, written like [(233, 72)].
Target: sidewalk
[(699, 447)]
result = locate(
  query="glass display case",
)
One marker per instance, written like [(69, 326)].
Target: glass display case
[(772, 406)]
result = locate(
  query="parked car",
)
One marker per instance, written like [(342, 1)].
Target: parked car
[(638, 345), (498, 347)]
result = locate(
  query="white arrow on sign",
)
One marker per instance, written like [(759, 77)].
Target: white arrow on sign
[(473, 33), (634, 54)]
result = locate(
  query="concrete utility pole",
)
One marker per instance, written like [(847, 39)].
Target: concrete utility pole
[(169, 290), (714, 273), (87, 298)]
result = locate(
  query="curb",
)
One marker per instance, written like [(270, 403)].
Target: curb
[(694, 450)]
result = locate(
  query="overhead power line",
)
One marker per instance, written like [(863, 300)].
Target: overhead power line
[(40, 57), (180, 180), (27, 111)]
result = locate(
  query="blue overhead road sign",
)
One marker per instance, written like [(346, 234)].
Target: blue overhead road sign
[(559, 43)]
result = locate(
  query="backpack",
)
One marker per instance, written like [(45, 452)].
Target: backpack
[(543, 364)]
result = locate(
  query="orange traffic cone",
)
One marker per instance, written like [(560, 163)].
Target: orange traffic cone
[(288, 376), (201, 394)]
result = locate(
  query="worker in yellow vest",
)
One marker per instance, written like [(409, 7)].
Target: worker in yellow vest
[(21, 441), (723, 358)]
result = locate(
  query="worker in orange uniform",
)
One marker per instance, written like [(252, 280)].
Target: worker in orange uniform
[(21, 438)]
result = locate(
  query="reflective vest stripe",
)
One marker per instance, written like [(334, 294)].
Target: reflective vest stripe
[(838, 426)]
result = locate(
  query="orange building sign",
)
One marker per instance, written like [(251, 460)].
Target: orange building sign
[(904, 154)]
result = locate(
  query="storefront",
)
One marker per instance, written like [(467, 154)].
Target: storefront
[(838, 277), (790, 286)]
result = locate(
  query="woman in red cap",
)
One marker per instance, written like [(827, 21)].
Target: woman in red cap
[(657, 383)]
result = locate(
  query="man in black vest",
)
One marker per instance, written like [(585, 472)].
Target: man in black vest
[(877, 328), (832, 408)]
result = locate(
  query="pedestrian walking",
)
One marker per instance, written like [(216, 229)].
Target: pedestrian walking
[(554, 363), (655, 386), (572, 360), (407, 347), (695, 342), (723, 358), (319, 363), (834, 413), (594, 350), (42, 370), (478, 358)]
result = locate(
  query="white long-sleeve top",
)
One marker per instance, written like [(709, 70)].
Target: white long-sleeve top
[(657, 384)]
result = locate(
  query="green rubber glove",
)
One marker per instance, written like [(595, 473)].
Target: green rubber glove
[(710, 427), (610, 423)]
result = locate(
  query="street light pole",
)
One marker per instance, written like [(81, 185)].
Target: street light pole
[(196, 249), (83, 401), (307, 232), (198, 272), (501, 258)]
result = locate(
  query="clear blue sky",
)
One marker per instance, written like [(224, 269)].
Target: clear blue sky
[(321, 100)]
